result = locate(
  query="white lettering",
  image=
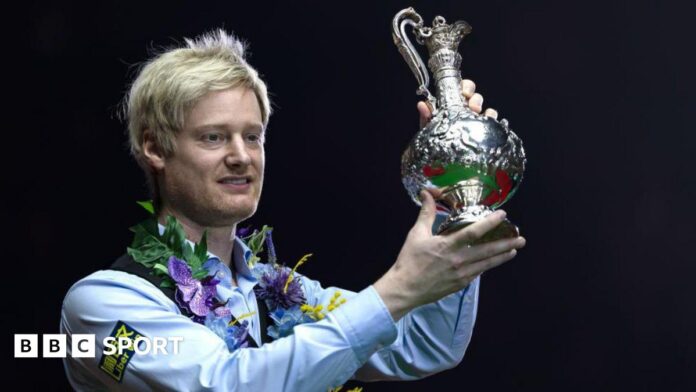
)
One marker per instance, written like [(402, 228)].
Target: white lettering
[(26, 346), (136, 345), (109, 347), (175, 340), (124, 343), (54, 346), (159, 344), (83, 345)]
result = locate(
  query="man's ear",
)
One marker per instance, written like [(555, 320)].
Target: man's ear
[(152, 152)]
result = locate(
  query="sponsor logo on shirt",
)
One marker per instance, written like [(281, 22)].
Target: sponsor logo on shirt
[(114, 362)]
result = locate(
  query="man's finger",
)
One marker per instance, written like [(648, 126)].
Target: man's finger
[(477, 230), (484, 265), (492, 113), (435, 192), (424, 112), (468, 88), (426, 217), (476, 102), (490, 249)]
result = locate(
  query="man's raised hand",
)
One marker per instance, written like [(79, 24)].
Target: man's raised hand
[(430, 267)]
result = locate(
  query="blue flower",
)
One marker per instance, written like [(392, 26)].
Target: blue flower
[(235, 336), (216, 324), (285, 320)]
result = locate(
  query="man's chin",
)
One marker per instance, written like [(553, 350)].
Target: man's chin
[(235, 215)]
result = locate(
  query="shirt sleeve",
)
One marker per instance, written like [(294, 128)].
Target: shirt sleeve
[(430, 338), (316, 357)]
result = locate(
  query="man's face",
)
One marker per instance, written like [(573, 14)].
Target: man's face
[(215, 175)]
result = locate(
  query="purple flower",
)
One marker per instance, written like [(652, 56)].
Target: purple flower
[(196, 296), (271, 288), (271, 248), (243, 231)]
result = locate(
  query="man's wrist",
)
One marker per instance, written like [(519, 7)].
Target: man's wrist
[(394, 297)]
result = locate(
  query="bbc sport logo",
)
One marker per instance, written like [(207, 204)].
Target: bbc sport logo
[(83, 345)]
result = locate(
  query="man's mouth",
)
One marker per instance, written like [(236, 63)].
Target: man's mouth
[(236, 183), (235, 180)]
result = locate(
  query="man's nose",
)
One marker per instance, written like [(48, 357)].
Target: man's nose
[(237, 153)]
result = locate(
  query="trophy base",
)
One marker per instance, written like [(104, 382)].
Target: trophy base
[(505, 229)]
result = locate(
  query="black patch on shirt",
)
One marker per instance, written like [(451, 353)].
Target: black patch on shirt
[(115, 364)]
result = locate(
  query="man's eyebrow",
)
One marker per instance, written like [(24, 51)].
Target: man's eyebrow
[(245, 126)]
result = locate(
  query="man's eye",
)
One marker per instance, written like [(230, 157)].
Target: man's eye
[(254, 138), (213, 137)]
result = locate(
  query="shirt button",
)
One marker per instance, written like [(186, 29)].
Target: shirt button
[(220, 274)]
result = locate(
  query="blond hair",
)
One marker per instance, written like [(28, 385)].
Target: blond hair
[(170, 83)]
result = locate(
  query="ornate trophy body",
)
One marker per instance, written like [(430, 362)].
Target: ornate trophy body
[(475, 162)]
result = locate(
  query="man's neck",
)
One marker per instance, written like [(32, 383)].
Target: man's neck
[(220, 240)]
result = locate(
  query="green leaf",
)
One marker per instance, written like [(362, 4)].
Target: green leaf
[(252, 241), (143, 230), (200, 274), (161, 268), (147, 247), (140, 236), (189, 257), (201, 248), (174, 236), (257, 239), (150, 253), (159, 273), (147, 205), (167, 284), (136, 254), (151, 226)]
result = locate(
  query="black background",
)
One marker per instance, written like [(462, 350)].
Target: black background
[(599, 91)]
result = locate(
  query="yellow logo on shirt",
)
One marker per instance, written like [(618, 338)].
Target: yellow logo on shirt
[(115, 364)]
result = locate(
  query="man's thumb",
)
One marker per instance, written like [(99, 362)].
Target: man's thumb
[(426, 217)]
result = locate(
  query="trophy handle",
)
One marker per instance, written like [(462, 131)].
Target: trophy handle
[(410, 17)]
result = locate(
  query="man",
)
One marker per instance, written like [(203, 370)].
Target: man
[(196, 119)]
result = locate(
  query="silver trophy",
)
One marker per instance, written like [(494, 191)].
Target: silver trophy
[(474, 162)]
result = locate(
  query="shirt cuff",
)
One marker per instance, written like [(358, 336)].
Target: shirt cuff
[(366, 322)]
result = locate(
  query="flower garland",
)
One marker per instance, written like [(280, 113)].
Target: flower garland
[(180, 266)]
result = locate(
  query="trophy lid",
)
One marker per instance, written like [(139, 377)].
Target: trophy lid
[(443, 36)]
